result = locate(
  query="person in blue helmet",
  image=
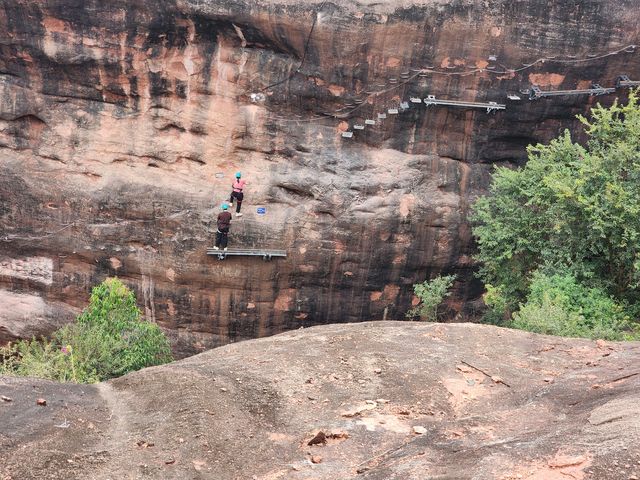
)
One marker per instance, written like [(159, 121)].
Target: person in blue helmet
[(236, 193), (224, 223)]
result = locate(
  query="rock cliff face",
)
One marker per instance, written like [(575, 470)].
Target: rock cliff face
[(123, 122)]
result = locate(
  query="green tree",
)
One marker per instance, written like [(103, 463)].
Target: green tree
[(572, 209), (431, 294), (107, 340)]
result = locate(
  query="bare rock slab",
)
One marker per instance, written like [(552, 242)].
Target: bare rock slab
[(440, 417)]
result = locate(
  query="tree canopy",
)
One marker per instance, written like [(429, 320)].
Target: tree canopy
[(573, 212), (108, 339)]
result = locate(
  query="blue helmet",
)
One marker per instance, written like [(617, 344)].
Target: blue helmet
[(224, 206), (238, 174)]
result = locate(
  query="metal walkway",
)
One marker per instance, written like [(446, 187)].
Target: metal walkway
[(623, 81), (489, 106), (535, 92), (246, 252)]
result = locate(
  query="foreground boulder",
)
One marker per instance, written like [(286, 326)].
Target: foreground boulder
[(367, 401)]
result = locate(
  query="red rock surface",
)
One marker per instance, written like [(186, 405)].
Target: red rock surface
[(122, 123), (564, 409)]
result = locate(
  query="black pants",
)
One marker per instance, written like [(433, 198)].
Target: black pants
[(222, 238), (238, 196)]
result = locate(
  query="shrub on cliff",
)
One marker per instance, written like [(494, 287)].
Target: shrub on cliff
[(107, 340), (572, 209), (431, 294)]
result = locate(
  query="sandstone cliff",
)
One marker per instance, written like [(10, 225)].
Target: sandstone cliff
[(122, 123)]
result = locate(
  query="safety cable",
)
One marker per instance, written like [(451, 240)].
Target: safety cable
[(339, 114)]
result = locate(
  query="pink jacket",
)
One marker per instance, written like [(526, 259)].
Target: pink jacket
[(238, 185)]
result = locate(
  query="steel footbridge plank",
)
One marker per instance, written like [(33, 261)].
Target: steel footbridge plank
[(489, 106), (246, 252)]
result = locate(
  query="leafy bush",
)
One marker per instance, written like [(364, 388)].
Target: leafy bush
[(431, 294), (498, 312), (558, 305), (36, 358), (547, 317), (124, 343), (574, 209), (108, 340)]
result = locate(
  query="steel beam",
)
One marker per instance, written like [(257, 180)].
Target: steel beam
[(490, 106)]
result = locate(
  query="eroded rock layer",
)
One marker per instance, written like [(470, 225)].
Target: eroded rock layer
[(123, 122)]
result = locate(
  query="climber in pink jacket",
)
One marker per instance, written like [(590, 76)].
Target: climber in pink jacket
[(237, 194)]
